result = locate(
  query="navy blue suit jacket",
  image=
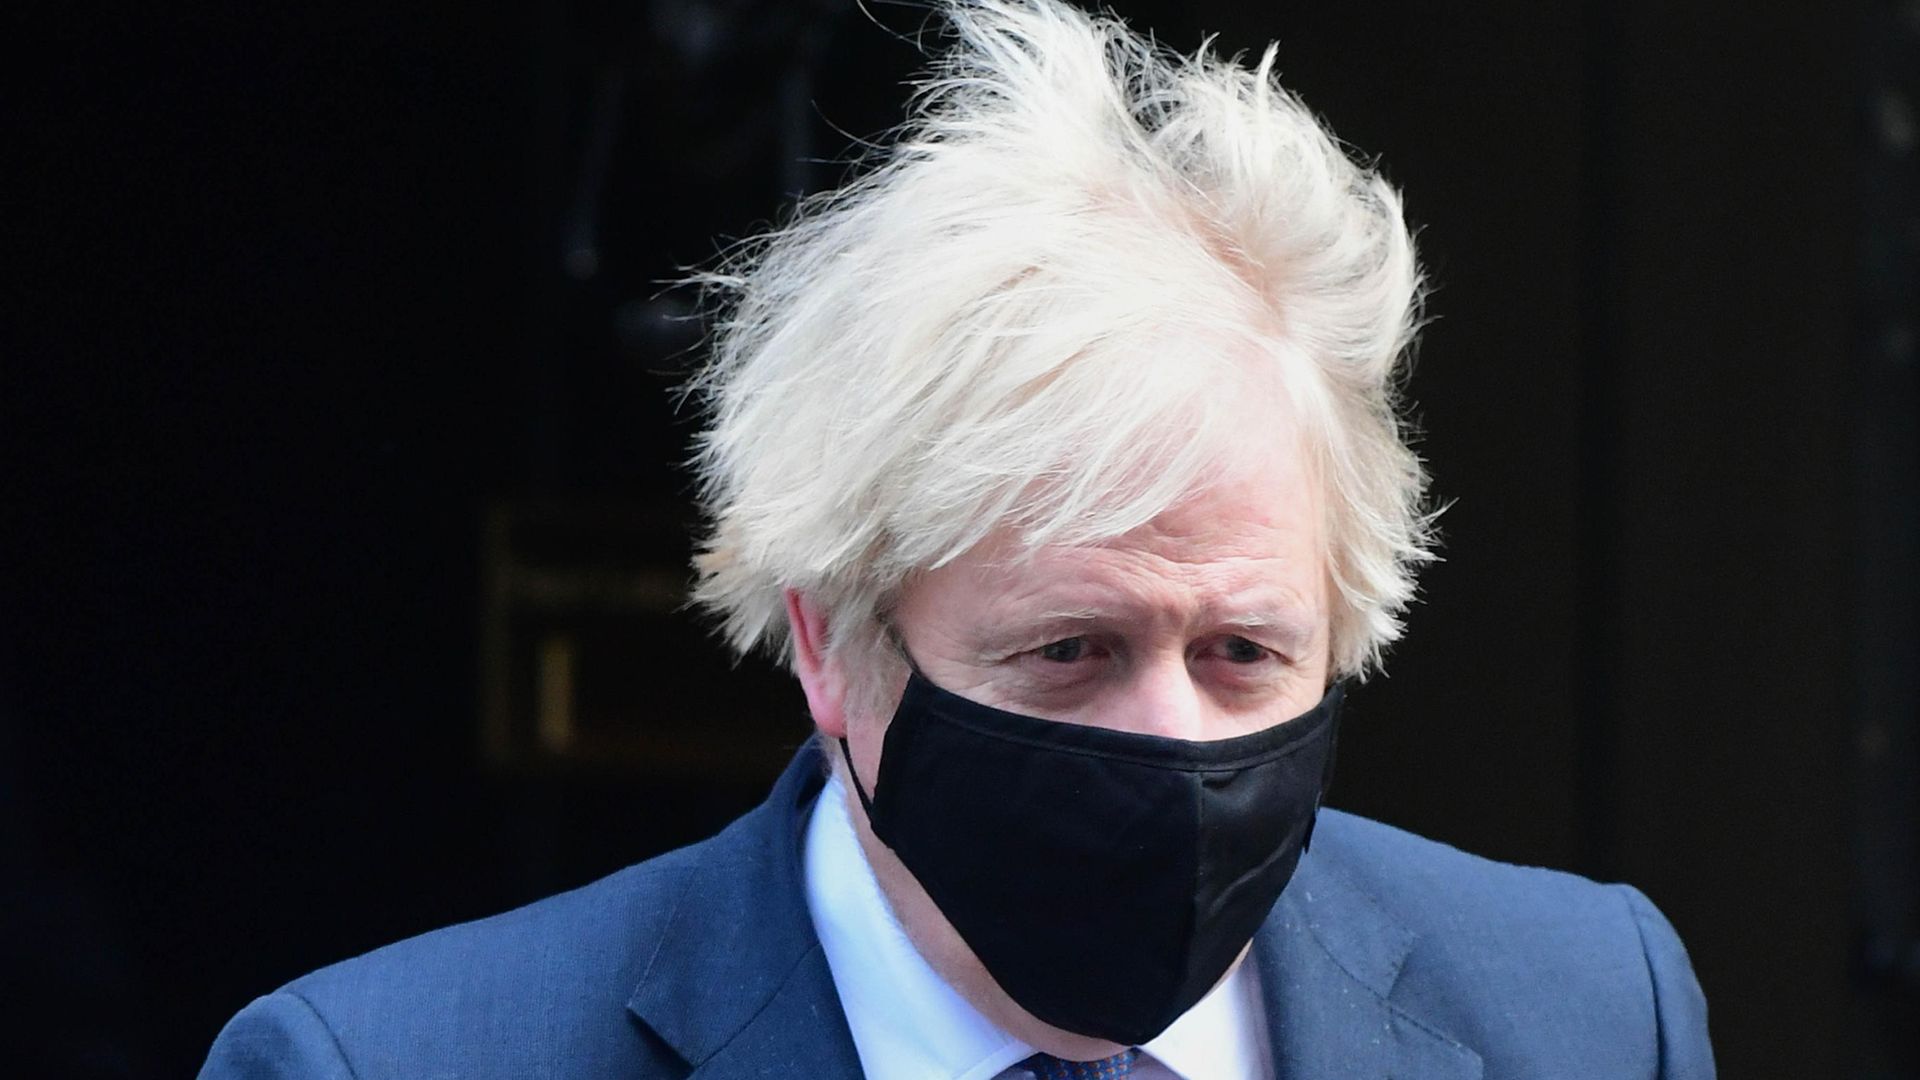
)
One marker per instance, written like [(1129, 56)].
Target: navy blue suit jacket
[(1387, 955)]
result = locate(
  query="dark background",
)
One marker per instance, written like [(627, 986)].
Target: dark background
[(332, 320)]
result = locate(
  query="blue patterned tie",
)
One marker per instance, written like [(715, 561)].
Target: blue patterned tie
[(1048, 1067)]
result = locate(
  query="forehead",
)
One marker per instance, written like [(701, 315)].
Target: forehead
[(1247, 549)]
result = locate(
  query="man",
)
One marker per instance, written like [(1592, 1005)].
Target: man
[(1059, 456)]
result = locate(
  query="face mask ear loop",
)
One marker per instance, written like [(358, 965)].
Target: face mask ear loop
[(900, 646), (865, 803)]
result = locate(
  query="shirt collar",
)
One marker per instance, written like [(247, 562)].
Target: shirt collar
[(907, 1022)]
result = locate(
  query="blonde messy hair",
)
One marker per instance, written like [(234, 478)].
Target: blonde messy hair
[(1087, 271)]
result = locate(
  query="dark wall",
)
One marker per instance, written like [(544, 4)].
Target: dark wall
[(257, 385), (304, 299)]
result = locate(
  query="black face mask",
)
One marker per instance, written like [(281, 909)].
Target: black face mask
[(1106, 879)]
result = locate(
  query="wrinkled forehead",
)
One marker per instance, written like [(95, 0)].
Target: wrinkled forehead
[(1242, 557)]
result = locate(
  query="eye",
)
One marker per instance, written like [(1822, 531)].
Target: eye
[(1064, 651), (1238, 650)]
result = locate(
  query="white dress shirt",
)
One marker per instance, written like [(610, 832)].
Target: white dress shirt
[(908, 1024)]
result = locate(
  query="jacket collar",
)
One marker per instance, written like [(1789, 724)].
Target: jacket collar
[(738, 985), (1329, 957)]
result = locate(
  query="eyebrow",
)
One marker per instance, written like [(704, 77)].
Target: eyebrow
[(1295, 627)]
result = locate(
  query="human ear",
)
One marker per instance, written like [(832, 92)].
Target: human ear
[(822, 677)]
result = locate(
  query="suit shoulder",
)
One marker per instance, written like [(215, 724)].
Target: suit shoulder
[(1524, 924), (1392, 864), (549, 981), (1498, 950), (581, 929)]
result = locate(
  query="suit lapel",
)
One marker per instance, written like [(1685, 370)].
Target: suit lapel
[(738, 985), (1328, 958)]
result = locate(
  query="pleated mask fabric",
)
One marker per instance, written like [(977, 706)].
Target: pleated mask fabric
[(1106, 879)]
